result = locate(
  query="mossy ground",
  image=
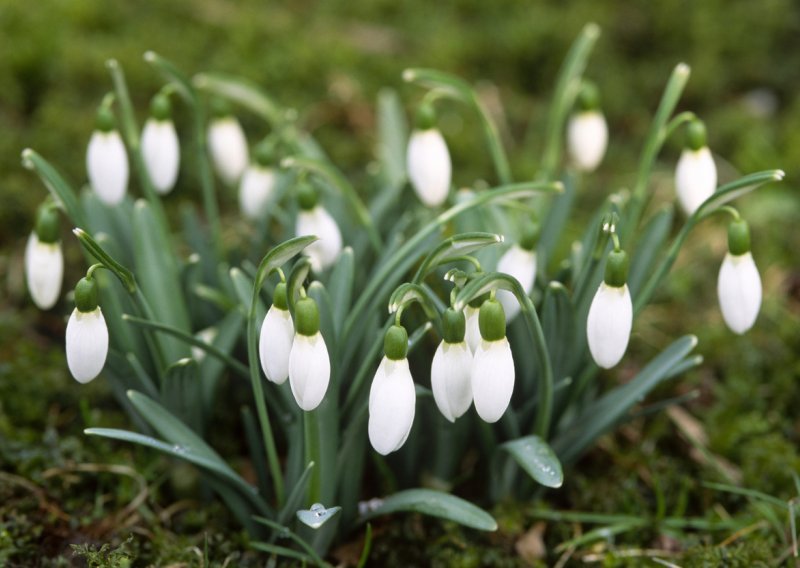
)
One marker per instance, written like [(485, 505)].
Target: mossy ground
[(125, 506)]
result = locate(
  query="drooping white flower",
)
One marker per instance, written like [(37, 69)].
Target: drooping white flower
[(228, 147), (587, 139), (492, 378), (695, 178), (739, 291), (608, 327), (324, 251), (161, 153), (255, 189), (451, 379), (107, 166), (429, 168), (309, 363), (473, 333), (44, 271), (87, 344), (275, 344), (521, 264), (392, 404)]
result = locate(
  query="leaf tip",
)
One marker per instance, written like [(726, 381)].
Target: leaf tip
[(778, 175), (591, 30), (693, 341), (112, 63), (149, 56), (683, 70), (409, 75)]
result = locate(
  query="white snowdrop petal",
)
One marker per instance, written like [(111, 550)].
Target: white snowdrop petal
[(44, 271), (275, 344), (429, 168), (739, 291), (473, 331), (451, 379), (87, 344), (254, 191), (324, 251), (309, 370), (695, 178), (608, 327), (161, 153), (587, 138), (107, 166), (228, 147), (521, 264), (207, 335), (392, 406), (492, 379)]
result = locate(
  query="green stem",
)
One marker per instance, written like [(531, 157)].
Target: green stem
[(313, 454), (58, 187), (567, 87)]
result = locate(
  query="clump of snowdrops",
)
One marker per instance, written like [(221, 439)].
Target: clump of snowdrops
[(373, 318)]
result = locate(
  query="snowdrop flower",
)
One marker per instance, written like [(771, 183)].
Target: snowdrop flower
[(257, 184), (518, 261), (277, 336), (451, 368), (392, 397), (87, 334), (739, 284), (309, 364), (428, 160), (695, 174), (492, 373), (313, 219), (227, 145), (608, 327), (106, 160), (587, 131), (160, 146), (473, 333), (44, 261)]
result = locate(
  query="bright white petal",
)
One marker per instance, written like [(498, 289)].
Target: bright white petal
[(161, 153), (254, 191), (695, 178), (228, 147), (207, 335), (323, 252), (107, 166), (739, 291), (521, 264), (44, 271), (492, 379), (587, 138), (451, 379), (473, 330), (392, 406), (429, 166), (87, 344), (309, 370), (608, 327), (275, 344)]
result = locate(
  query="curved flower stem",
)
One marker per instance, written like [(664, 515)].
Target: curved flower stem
[(61, 191), (490, 282), (709, 207), (567, 87), (659, 130), (446, 85)]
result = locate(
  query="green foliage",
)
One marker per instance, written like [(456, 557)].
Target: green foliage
[(105, 556)]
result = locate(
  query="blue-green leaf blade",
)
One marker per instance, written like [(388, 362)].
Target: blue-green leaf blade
[(437, 504), (537, 458)]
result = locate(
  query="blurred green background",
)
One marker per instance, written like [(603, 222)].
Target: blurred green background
[(329, 60)]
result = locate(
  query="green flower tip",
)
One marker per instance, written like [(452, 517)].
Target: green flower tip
[(454, 326), (589, 97), (696, 135), (426, 117), (160, 107), (47, 229), (264, 154), (279, 298), (616, 274), (307, 196), (306, 316), (104, 121), (492, 320), (86, 295), (738, 237), (530, 236), (395, 343), (220, 108)]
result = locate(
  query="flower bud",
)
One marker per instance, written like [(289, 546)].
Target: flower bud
[(160, 146), (451, 368), (392, 402), (324, 251), (228, 146), (428, 160), (696, 173), (608, 326), (492, 374), (521, 264), (107, 160), (276, 338), (87, 334), (309, 363), (739, 284)]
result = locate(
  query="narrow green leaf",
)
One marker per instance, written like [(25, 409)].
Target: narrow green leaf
[(279, 256), (392, 143), (558, 325), (181, 393), (553, 224), (364, 558), (61, 191), (454, 248), (281, 551), (297, 496), (436, 504), (340, 287), (227, 332), (747, 492), (648, 248), (735, 189), (242, 92), (243, 285), (537, 458)]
